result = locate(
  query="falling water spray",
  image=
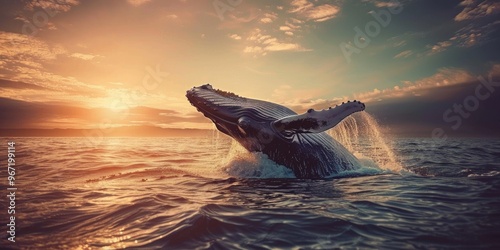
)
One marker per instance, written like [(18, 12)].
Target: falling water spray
[(361, 135)]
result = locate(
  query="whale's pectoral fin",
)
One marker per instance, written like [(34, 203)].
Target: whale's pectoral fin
[(317, 121)]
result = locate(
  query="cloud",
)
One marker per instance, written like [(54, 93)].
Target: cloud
[(235, 36), (390, 4), (6, 84), (468, 36), (475, 9), (403, 39), (301, 100), (85, 57), (269, 17), (404, 54), (311, 12), (472, 35), (301, 105), (420, 115), (53, 5), (277, 46), (266, 20), (138, 2), (261, 33), (439, 47), (25, 59), (289, 28), (383, 4), (300, 6), (267, 43), (253, 49), (466, 2), (399, 43), (444, 77), (55, 87), (322, 13), (15, 46), (401, 107)]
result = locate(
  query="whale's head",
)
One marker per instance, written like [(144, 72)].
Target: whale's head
[(248, 121)]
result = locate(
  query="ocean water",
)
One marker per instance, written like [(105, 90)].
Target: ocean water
[(208, 193)]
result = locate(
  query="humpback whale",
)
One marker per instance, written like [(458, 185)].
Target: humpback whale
[(295, 141)]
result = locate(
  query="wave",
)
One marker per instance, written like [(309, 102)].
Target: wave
[(159, 194), (489, 174), (243, 164)]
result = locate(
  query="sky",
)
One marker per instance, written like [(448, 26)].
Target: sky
[(74, 64)]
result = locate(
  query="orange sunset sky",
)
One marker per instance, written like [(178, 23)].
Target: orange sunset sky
[(74, 64)]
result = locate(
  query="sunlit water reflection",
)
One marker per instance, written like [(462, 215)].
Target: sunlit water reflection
[(184, 193)]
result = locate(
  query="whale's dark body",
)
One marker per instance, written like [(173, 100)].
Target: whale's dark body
[(295, 141)]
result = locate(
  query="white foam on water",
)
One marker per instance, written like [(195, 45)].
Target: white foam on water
[(361, 135), (241, 163), (491, 173), (368, 167)]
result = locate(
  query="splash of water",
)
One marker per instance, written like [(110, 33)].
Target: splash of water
[(361, 135), (241, 163), (220, 144), (233, 159)]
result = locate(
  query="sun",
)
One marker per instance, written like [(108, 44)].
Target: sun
[(118, 101)]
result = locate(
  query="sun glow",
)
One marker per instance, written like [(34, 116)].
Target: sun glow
[(118, 101)]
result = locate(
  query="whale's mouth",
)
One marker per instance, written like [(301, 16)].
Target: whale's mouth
[(219, 106)]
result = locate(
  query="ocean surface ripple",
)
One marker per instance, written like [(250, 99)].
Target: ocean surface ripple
[(206, 193)]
